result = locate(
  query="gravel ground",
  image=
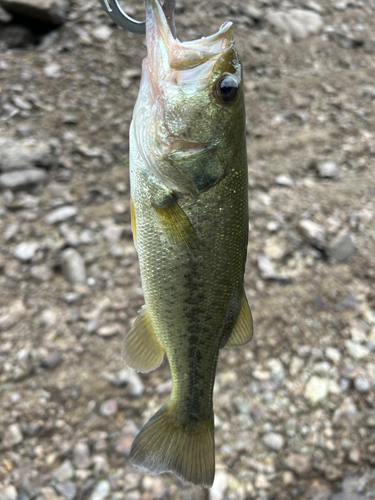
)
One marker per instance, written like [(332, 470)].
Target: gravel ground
[(295, 409)]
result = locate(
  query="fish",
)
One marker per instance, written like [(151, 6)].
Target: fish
[(189, 218)]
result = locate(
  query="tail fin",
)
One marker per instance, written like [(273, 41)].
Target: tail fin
[(166, 445)]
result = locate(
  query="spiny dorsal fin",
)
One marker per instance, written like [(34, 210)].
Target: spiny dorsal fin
[(141, 349), (243, 329), (176, 223)]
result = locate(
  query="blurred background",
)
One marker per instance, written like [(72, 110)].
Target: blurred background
[(295, 408)]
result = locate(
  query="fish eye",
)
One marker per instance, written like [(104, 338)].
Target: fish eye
[(226, 88)]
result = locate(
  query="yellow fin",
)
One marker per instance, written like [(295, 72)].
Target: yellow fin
[(164, 444), (243, 329), (133, 222), (176, 223), (141, 349)]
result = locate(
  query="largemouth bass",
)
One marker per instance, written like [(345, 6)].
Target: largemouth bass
[(188, 176)]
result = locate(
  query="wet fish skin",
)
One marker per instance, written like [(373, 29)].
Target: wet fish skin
[(188, 172)]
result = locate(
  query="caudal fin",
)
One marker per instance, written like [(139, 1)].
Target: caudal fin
[(166, 445)]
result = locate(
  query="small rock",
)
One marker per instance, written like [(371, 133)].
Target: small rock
[(48, 493), (41, 273), (8, 492), (52, 70), (346, 413), (362, 384), (22, 179), (316, 389), (333, 354), (101, 490), (313, 233), (51, 360), (82, 456), (356, 351), (217, 491), (64, 472), (68, 490), (24, 154), (274, 441), (328, 169), (102, 33), (25, 251), (355, 456), (108, 408), (284, 180), (108, 330), (342, 247), (297, 463), (295, 24), (61, 214), (73, 266), (12, 436)]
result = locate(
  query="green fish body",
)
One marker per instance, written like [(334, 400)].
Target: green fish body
[(188, 174)]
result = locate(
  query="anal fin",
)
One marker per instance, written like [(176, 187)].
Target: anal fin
[(176, 223), (243, 329), (141, 349)]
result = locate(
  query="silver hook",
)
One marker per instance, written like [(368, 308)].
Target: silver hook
[(117, 14)]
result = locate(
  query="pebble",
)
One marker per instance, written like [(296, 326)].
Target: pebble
[(81, 454), (64, 472), (284, 180), (73, 266), (8, 492), (101, 491), (362, 384), (52, 70), (107, 331), (24, 154), (61, 214), (102, 33), (297, 463), (12, 436), (68, 490), (18, 179), (328, 169), (316, 389), (313, 233), (342, 247), (356, 351), (25, 251), (346, 413), (41, 273), (274, 441), (333, 354), (295, 24), (108, 408), (217, 491), (51, 360)]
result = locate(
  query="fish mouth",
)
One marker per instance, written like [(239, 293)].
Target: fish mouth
[(172, 54)]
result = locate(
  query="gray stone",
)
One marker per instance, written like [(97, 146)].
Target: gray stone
[(313, 233), (362, 384), (346, 413), (25, 251), (297, 463), (217, 491), (68, 490), (24, 154), (82, 456), (328, 169), (316, 389), (284, 180), (8, 492), (22, 179), (64, 472), (101, 491), (73, 266), (51, 360), (52, 70), (61, 214), (342, 247), (41, 273), (102, 33), (356, 351), (274, 441), (333, 354), (50, 11), (12, 436), (108, 330), (295, 24), (108, 408)]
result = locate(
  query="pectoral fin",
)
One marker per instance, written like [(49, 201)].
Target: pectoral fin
[(243, 329), (141, 349), (176, 223)]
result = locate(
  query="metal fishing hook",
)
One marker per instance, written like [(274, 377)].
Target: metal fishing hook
[(117, 14)]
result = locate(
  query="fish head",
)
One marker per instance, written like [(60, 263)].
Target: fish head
[(190, 103)]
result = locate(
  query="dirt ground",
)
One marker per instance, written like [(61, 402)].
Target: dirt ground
[(295, 408)]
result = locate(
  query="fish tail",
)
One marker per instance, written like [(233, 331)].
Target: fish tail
[(165, 444)]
